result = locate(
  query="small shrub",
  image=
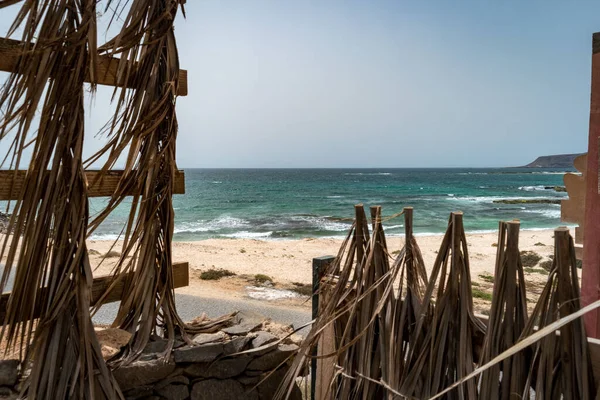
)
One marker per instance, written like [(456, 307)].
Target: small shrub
[(112, 253), (494, 244), (487, 277), (396, 252), (215, 274), (539, 244), (480, 294), (302, 288), (475, 284), (93, 252), (531, 270), (242, 251), (530, 258), (546, 265), (262, 278), (578, 264)]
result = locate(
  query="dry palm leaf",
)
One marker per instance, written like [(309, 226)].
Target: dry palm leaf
[(507, 320), (561, 364), (146, 125), (50, 260), (406, 308), (446, 354)]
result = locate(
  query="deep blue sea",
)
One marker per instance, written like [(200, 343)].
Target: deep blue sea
[(298, 203)]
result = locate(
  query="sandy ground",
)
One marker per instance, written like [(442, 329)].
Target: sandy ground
[(289, 261)]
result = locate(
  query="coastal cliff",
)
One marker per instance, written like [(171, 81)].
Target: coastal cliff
[(554, 161)]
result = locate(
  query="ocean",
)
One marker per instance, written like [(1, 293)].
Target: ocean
[(275, 204)]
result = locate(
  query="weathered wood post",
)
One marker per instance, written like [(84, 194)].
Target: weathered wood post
[(590, 290), (319, 266)]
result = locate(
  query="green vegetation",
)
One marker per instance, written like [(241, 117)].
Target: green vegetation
[(539, 244), (531, 270), (530, 258), (487, 277), (214, 274), (546, 264), (480, 294), (494, 244), (262, 279), (528, 201), (302, 288)]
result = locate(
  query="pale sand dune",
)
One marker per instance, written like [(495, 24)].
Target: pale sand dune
[(291, 260)]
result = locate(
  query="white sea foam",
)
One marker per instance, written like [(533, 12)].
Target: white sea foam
[(223, 222), (490, 199), (367, 173), (532, 188), (335, 197), (549, 213), (248, 235)]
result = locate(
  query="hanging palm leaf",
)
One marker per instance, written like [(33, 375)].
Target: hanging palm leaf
[(447, 351), (561, 366), (50, 260), (508, 317), (146, 125)]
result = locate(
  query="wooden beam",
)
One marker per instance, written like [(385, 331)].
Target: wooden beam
[(181, 278), (11, 183), (107, 66), (590, 274)]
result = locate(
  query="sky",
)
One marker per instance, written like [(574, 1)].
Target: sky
[(436, 83)]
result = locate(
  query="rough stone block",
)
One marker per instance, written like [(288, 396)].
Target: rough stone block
[(263, 338), (174, 392), (236, 345), (221, 369), (214, 389), (204, 353), (143, 373), (9, 372), (204, 338), (272, 360)]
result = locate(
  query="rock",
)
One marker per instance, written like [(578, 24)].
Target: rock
[(7, 393), (143, 373), (159, 345), (263, 338), (9, 372), (245, 322), (111, 340), (242, 328), (221, 369), (203, 338), (267, 388), (248, 380), (174, 392), (173, 379), (138, 393), (272, 359), (214, 389), (204, 353), (236, 345)]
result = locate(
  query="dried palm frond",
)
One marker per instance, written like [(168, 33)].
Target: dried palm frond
[(50, 260), (447, 351), (406, 307), (561, 366), (146, 126), (507, 320)]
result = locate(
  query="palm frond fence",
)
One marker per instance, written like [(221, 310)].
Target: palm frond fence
[(52, 56), (383, 328)]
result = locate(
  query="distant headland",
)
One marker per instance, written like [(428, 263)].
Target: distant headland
[(554, 161)]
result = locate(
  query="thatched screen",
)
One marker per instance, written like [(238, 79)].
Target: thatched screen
[(42, 105)]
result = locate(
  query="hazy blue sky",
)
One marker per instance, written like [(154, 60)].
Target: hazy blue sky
[(380, 83)]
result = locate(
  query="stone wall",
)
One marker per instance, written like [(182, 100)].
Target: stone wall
[(209, 368)]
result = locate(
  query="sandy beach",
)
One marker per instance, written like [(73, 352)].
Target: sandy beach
[(290, 261)]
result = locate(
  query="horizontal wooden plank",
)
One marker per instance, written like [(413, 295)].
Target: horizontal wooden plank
[(181, 278), (107, 66), (11, 183)]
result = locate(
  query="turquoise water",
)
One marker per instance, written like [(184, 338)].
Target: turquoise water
[(297, 203)]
